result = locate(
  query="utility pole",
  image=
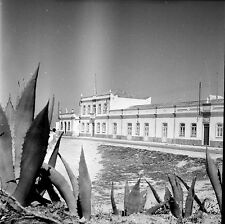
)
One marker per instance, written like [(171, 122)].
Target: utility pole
[(216, 85), (199, 98), (95, 85), (58, 109)]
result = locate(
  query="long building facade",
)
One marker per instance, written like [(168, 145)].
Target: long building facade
[(188, 123)]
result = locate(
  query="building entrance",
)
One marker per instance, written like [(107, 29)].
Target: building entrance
[(65, 127), (93, 129), (206, 134)]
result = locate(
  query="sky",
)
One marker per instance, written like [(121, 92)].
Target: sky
[(158, 49)]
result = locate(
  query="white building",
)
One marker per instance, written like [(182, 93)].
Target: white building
[(68, 123), (95, 111), (190, 123)]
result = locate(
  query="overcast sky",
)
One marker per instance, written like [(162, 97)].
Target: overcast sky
[(145, 48)]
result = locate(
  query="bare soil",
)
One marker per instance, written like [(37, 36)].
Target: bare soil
[(125, 163), (121, 163)]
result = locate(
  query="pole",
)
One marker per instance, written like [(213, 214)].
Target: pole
[(199, 98), (58, 109), (95, 85)]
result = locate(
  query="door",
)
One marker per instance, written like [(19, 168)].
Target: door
[(93, 129), (65, 127), (164, 132), (206, 134)]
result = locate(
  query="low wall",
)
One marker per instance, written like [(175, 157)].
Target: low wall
[(217, 144)]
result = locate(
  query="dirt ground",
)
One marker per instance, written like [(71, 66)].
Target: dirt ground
[(121, 163), (109, 162), (117, 163)]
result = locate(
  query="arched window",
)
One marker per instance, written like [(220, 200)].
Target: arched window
[(129, 128), (103, 127), (182, 130), (84, 110), (193, 129), (82, 127), (99, 109), (87, 127), (146, 129), (68, 125), (137, 128), (164, 130), (114, 128), (98, 128), (219, 130)]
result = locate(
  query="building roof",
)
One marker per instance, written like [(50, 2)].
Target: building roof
[(119, 93), (177, 104)]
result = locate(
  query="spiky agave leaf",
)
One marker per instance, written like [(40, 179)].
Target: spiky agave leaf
[(53, 158), (167, 195), (220, 174), (126, 194), (10, 114), (190, 199), (72, 178), (41, 186), (114, 208), (153, 209), (62, 186), (46, 184), (174, 208), (176, 193), (143, 200), (34, 151), (214, 178), (51, 109), (24, 116), (201, 205), (180, 192), (134, 199), (6, 162), (84, 182), (154, 192)]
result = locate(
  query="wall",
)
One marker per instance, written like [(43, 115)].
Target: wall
[(122, 102)]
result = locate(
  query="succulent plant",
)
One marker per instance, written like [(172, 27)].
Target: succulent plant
[(176, 201), (114, 208), (30, 141)]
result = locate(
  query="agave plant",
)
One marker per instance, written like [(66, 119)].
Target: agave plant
[(176, 201), (134, 199), (160, 203), (26, 177)]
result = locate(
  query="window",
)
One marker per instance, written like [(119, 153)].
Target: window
[(219, 130), (61, 125), (89, 109), (94, 109), (138, 128), (68, 125), (182, 130), (105, 108), (82, 127), (129, 128), (99, 109), (114, 128), (164, 130), (84, 110), (193, 130), (103, 127), (98, 128), (146, 129), (87, 127)]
